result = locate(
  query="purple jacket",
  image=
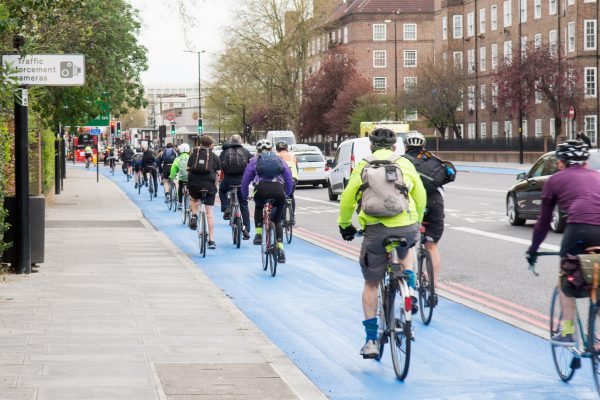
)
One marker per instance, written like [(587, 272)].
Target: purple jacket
[(250, 175)]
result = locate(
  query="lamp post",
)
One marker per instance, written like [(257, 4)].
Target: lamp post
[(199, 79)]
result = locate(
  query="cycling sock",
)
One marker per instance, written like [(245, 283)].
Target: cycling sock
[(411, 278), (280, 245), (258, 230), (567, 328), (371, 328)]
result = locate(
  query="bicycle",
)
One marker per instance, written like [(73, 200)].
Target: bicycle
[(268, 246), (235, 221), (203, 231), (568, 358), (185, 203), (425, 278), (394, 309), (172, 203), (288, 220)]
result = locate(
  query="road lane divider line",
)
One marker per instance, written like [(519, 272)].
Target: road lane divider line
[(476, 189), (329, 203), (506, 238)]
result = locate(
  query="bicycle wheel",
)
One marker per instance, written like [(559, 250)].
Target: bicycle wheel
[(594, 343), (184, 208), (426, 286), (287, 222), (272, 249), (382, 332), (203, 234), (264, 247), (400, 330), (562, 356)]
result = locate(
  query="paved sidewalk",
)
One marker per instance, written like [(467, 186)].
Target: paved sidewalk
[(118, 312)]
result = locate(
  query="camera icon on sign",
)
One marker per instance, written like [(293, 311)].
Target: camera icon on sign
[(68, 70)]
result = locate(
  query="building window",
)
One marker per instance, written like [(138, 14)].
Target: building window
[(590, 127), (494, 129), (590, 81), (470, 24), (444, 27), (345, 34), (537, 9), (409, 83), (571, 36), (552, 38), (471, 61), (537, 40), (483, 130), (482, 58), (410, 58), (552, 7), (471, 98), (482, 96), (590, 34), (507, 13), (494, 94), (508, 52), (523, 8), (471, 131), (379, 31), (523, 46), (457, 29), (482, 20), (494, 17), (379, 59), (538, 127), (524, 127), (458, 59), (380, 84), (410, 31), (507, 128), (494, 56)]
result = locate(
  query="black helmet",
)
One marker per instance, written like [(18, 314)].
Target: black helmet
[(281, 146), (572, 152), (383, 137)]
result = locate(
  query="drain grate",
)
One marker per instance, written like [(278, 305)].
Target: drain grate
[(133, 223)]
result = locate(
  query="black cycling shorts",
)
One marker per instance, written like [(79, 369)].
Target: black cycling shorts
[(434, 217)]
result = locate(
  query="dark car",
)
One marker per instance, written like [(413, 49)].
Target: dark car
[(523, 200)]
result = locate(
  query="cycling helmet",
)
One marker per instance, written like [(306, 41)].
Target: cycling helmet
[(184, 148), (383, 137), (415, 139), (264, 144), (572, 152), (281, 146)]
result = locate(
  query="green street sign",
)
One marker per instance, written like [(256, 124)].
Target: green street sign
[(103, 119)]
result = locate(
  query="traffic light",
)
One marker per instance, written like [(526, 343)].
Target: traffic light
[(112, 128), (118, 128), (172, 129), (199, 126)]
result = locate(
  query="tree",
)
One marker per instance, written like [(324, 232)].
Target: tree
[(436, 95), (541, 72)]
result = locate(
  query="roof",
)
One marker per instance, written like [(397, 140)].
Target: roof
[(351, 7)]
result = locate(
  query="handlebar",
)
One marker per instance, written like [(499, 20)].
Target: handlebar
[(541, 253)]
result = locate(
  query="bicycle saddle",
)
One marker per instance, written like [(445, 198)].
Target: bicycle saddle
[(400, 241)]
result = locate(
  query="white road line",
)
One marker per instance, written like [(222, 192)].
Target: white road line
[(329, 203), (545, 246), (473, 188)]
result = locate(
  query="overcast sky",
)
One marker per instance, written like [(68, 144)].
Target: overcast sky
[(163, 36)]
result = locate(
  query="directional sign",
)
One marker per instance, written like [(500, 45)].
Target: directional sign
[(95, 131), (46, 69)]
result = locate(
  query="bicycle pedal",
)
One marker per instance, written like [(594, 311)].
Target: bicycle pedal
[(576, 363)]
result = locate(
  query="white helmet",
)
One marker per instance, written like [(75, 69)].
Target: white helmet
[(415, 139), (184, 148), (264, 144)]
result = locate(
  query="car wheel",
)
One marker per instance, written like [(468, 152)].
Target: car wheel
[(558, 222), (332, 196), (512, 212)]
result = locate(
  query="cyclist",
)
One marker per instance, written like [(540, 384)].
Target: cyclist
[(273, 180), (433, 220), (127, 156), (149, 166), (373, 256), (203, 171), (576, 190), (290, 159), (179, 170), (166, 158), (234, 159), (88, 155)]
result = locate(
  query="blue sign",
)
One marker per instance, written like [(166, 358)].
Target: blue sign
[(95, 131)]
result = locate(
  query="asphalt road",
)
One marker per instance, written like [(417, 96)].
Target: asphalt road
[(483, 256)]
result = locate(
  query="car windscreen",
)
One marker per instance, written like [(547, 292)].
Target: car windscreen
[(302, 158)]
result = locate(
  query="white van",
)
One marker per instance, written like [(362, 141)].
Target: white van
[(281, 136), (348, 155)]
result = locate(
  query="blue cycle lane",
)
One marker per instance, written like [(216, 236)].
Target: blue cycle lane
[(311, 310)]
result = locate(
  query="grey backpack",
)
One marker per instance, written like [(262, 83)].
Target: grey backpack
[(384, 192)]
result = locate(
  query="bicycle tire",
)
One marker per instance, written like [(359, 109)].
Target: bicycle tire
[(382, 331), (273, 250), (287, 220), (184, 209), (264, 247), (594, 343), (203, 235), (400, 332), (426, 286), (562, 356)]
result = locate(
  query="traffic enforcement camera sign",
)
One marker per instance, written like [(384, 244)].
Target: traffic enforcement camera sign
[(46, 69)]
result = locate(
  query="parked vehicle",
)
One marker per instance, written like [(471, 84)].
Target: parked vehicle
[(281, 136), (523, 200), (348, 155), (311, 168)]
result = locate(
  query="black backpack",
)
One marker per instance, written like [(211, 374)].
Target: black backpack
[(234, 160), (433, 171), (200, 161)]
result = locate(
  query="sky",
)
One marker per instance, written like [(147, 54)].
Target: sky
[(163, 35)]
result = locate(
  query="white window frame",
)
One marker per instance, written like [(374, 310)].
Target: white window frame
[(494, 55), (537, 9), (444, 27), (457, 55), (377, 79), (408, 34), (376, 58), (495, 129), (589, 23), (571, 37), (523, 10), (507, 51), (552, 7), (538, 127), (591, 133), (482, 20), (483, 130), (471, 61), (379, 36), (494, 18), (590, 87), (537, 40), (507, 13), (482, 96), (470, 24), (482, 58), (408, 62), (457, 26)]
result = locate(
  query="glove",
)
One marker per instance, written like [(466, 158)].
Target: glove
[(348, 232), (531, 257)]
